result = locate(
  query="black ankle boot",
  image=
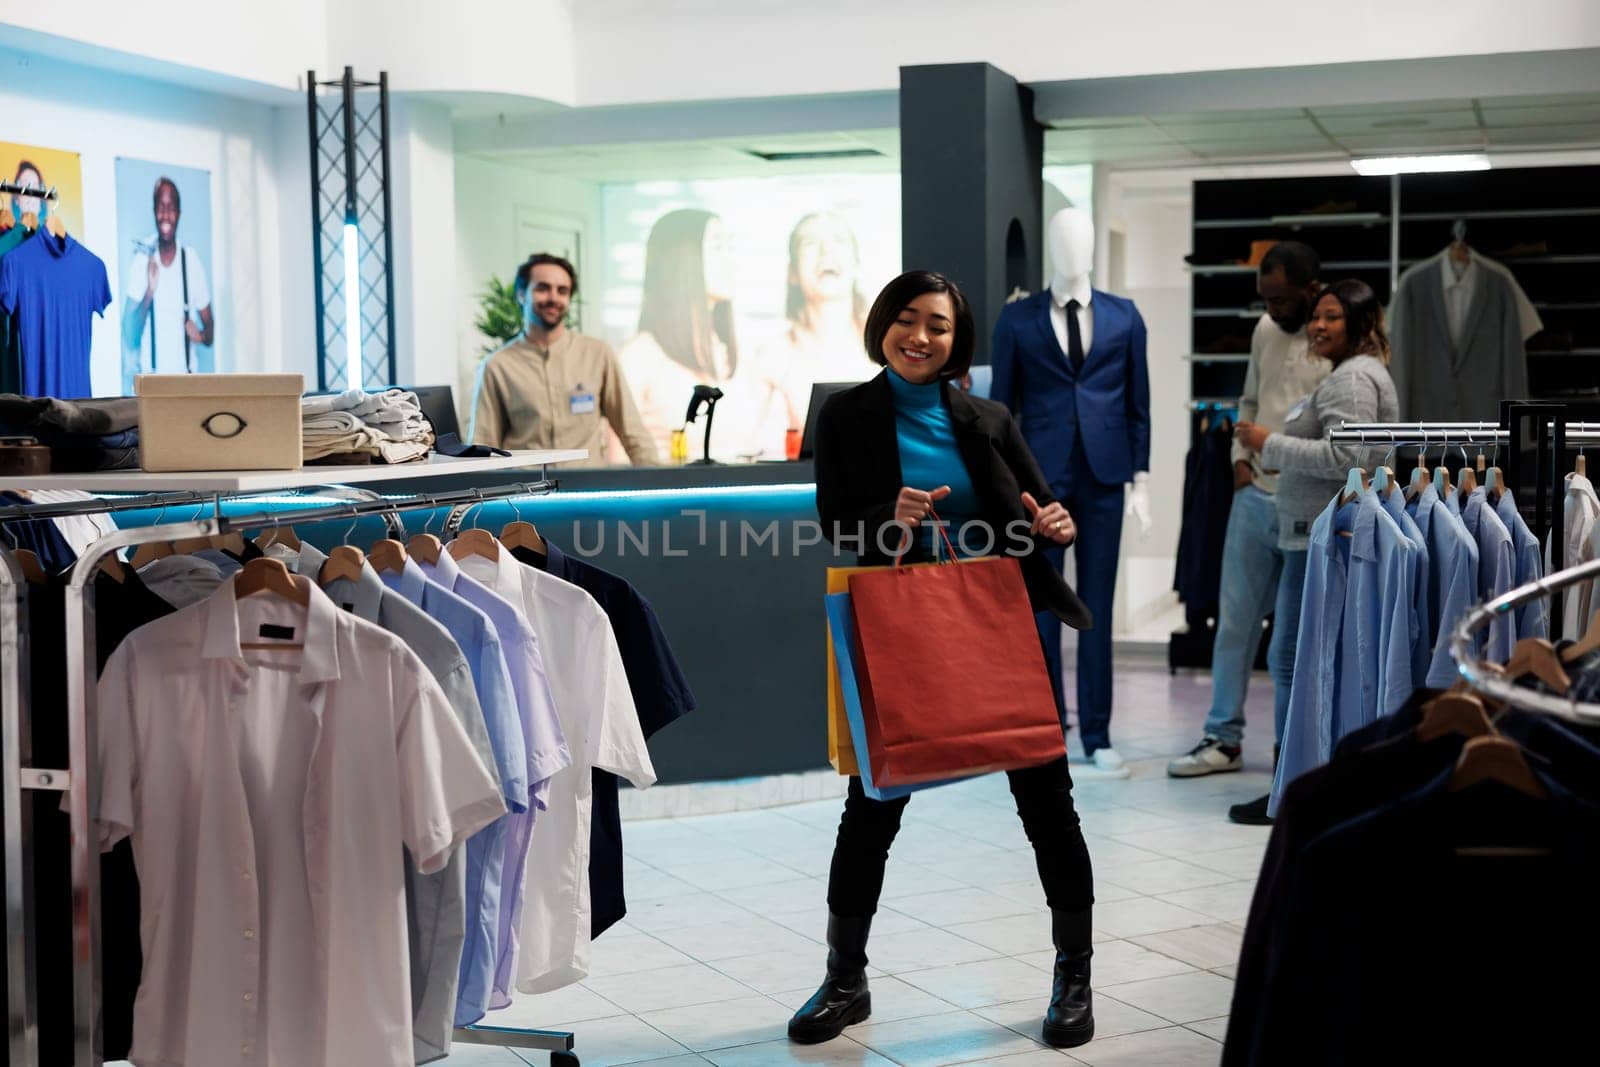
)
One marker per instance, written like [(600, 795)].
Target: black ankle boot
[(1069, 1022), (843, 998)]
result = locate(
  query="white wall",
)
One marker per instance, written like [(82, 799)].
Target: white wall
[(102, 116), (521, 48), (426, 285), (638, 50), (272, 44), (488, 200)]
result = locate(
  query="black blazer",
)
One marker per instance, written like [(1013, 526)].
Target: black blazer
[(858, 479)]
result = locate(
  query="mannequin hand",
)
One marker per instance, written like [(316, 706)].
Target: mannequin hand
[(913, 505), (1251, 435), (1051, 521), (1139, 504)]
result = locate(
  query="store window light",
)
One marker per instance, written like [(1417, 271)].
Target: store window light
[(352, 307), (1379, 165)]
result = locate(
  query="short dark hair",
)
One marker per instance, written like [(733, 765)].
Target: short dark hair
[(897, 296), (155, 194), (525, 272), (1363, 316), (1299, 262)]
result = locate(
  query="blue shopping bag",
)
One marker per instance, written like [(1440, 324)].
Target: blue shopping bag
[(842, 624)]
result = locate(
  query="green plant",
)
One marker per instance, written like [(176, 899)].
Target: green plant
[(499, 314)]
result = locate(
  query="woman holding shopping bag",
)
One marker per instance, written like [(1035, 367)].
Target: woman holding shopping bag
[(890, 453)]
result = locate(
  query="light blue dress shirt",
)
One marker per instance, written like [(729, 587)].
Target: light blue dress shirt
[(480, 642), (1533, 618), (436, 904), (1452, 578), (546, 749), (1497, 569), (1352, 659), (1394, 505)]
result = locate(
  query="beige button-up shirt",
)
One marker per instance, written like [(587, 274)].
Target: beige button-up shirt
[(561, 396), (1282, 373), (268, 794), (601, 724)]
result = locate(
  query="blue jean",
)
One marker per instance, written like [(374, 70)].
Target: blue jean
[(1251, 563), (1285, 634)]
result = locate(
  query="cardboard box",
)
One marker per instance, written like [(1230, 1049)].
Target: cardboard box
[(219, 422)]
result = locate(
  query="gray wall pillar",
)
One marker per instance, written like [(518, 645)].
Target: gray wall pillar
[(971, 183)]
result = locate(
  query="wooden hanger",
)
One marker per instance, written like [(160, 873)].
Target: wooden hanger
[(149, 552), (1581, 467), (268, 575), (344, 563), (1441, 481), (1355, 484), (475, 542), (521, 534), (32, 570), (1536, 656), (1589, 642), (1466, 482), (388, 556), (231, 542), (1493, 758), (57, 228), (278, 535), (1453, 714), (30, 220), (7, 219), (1383, 481), (425, 547), (1494, 482), (188, 546), (114, 568)]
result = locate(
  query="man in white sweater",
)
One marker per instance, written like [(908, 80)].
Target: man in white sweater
[(1282, 373)]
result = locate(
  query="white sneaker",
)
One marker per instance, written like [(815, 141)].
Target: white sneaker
[(1210, 756), (1105, 763)]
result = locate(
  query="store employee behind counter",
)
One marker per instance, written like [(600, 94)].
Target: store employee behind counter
[(888, 452), (553, 387)]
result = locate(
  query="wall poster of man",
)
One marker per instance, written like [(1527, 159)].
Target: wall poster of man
[(164, 229)]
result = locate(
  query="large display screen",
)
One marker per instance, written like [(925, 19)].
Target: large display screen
[(758, 286)]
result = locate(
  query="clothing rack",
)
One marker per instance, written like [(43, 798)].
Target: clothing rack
[(30, 191), (19, 781), (1484, 678)]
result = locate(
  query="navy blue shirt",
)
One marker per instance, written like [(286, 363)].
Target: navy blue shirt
[(660, 694), (54, 288)]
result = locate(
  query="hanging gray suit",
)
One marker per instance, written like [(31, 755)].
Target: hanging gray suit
[(1438, 380)]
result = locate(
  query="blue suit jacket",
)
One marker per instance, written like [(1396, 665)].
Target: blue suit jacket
[(1108, 404)]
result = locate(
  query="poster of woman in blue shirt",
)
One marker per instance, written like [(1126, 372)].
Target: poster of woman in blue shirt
[(164, 228)]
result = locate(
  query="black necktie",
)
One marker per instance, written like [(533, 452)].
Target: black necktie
[(1074, 338)]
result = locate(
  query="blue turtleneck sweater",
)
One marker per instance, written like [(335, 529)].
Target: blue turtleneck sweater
[(928, 454)]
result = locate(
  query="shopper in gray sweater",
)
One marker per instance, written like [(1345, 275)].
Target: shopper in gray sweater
[(1346, 329)]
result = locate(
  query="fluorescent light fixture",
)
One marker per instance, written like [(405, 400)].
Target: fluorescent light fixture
[(1377, 165), (352, 307)]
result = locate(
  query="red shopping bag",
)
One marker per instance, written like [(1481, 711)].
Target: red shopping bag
[(953, 679)]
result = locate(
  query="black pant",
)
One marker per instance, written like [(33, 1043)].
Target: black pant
[(1044, 801)]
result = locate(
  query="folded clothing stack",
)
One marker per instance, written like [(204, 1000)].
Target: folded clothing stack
[(386, 427), (83, 435)]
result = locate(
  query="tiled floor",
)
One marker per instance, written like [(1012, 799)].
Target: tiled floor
[(727, 912)]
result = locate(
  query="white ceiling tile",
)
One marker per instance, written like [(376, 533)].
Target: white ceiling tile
[(1585, 133), (1551, 115), (1398, 122), (1267, 131), (1399, 142)]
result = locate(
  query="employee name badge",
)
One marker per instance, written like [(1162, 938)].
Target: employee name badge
[(1296, 411), (580, 401)]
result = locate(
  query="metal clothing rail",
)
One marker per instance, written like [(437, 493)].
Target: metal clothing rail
[(20, 780), (1484, 678), (32, 191)]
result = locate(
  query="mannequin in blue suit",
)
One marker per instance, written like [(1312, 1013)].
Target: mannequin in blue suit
[(1089, 428)]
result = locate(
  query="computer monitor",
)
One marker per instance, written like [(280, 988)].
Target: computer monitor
[(820, 392), (438, 407)]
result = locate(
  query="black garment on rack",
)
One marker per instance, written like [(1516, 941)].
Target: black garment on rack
[(1381, 810), (39, 536), (1207, 502), (120, 608), (660, 694)]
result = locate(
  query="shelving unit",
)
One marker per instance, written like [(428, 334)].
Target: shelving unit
[(1373, 229)]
